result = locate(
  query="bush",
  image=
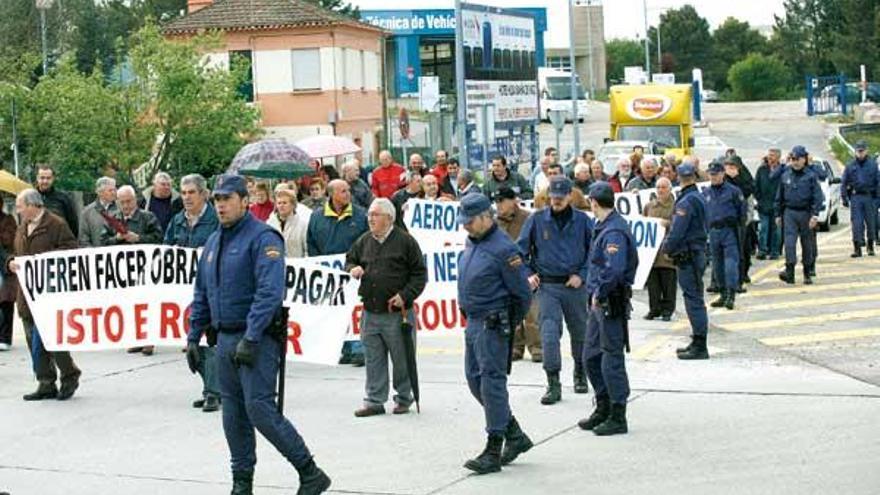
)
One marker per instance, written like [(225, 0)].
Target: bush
[(759, 77)]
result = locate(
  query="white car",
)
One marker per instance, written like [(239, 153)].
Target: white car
[(610, 152), (828, 216)]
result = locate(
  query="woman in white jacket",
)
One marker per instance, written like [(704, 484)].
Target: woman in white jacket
[(286, 219)]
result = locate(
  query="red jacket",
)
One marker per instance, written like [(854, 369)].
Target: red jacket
[(387, 180), (440, 173), (262, 210)]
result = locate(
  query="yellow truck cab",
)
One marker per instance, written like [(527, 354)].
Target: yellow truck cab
[(657, 113)]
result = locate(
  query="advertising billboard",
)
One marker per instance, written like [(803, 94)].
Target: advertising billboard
[(501, 66)]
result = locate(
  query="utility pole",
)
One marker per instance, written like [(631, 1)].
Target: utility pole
[(659, 55), (460, 89), (43, 6), (647, 39), (573, 80)]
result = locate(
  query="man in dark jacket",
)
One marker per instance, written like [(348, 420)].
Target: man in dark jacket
[(40, 232), (161, 200), (392, 272), (738, 174), (769, 237), (412, 189), (56, 201)]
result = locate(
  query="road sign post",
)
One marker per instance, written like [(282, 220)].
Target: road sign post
[(557, 118)]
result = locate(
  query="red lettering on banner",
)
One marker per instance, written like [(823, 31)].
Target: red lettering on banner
[(73, 322), (120, 327), (186, 314), (442, 315), (94, 313), (430, 324), (139, 321), (294, 331), (170, 315), (356, 319)]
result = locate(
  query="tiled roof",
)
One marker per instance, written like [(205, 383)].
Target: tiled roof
[(249, 15)]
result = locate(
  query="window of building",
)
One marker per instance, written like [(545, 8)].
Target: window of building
[(243, 59), (353, 71), (558, 62), (437, 60), (306, 69)]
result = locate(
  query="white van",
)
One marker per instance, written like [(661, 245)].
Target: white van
[(554, 86)]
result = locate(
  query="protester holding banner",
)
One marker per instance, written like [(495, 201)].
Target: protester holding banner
[(493, 294), (249, 254), (333, 231), (9, 283), (662, 280), (412, 189), (42, 231), (390, 266), (555, 243), (501, 175), (686, 245), (511, 218), (93, 221), (431, 189), (613, 263), (191, 228), (292, 225)]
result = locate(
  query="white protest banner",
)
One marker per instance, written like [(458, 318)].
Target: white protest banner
[(127, 296), (434, 224)]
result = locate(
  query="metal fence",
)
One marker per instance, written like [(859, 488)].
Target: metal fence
[(827, 95)]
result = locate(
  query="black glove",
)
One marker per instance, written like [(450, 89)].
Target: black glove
[(846, 203), (245, 353), (192, 356)]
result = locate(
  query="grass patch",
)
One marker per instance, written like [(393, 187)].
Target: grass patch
[(839, 150), (839, 119)]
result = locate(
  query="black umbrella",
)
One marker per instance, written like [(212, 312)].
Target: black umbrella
[(409, 347)]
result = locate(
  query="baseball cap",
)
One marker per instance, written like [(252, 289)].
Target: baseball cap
[(471, 206), (602, 191), (799, 152), (227, 184), (560, 187), (861, 145)]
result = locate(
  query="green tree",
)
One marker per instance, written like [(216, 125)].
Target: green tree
[(759, 77), (80, 125), (685, 38), (619, 54), (859, 43), (732, 41), (340, 6), (200, 118), (803, 38)]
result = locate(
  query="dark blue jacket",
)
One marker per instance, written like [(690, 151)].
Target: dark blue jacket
[(815, 167), (799, 190), (860, 177), (725, 206), (240, 279), (492, 276), (613, 257), (765, 188), (330, 233), (550, 251), (179, 232), (688, 229)]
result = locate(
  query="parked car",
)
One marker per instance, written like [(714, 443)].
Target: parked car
[(610, 152), (828, 216), (709, 95), (853, 92)]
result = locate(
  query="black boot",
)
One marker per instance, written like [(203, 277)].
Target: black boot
[(615, 424), (580, 381), (713, 289), (554, 389), (489, 461), (312, 480), (808, 276), (788, 275), (516, 442), (871, 248), (731, 297), (242, 483), (698, 349), (600, 414), (722, 299), (686, 348), (857, 250)]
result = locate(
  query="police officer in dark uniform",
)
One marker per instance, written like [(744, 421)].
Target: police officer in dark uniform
[(798, 202), (238, 293), (556, 244), (725, 212), (494, 296), (613, 264), (859, 190), (685, 243)]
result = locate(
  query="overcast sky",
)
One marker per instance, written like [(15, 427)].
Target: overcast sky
[(623, 18)]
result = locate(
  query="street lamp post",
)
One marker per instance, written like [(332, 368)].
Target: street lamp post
[(647, 38), (460, 89), (659, 55), (573, 80), (43, 6)]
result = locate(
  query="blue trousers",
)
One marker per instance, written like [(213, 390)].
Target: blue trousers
[(485, 367), (769, 237), (863, 214), (604, 358), (690, 279), (555, 302), (725, 256), (797, 226), (208, 371), (248, 395)]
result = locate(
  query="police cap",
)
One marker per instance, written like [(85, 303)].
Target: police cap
[(861, 145), (716, 167), (686, 170), (560, 186), (601, 191), (473, 205), (227, 184), (503, 192), (799, 152)]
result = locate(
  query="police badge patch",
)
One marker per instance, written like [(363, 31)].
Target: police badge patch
[(273, 252), (514, 261), (611, 248)]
